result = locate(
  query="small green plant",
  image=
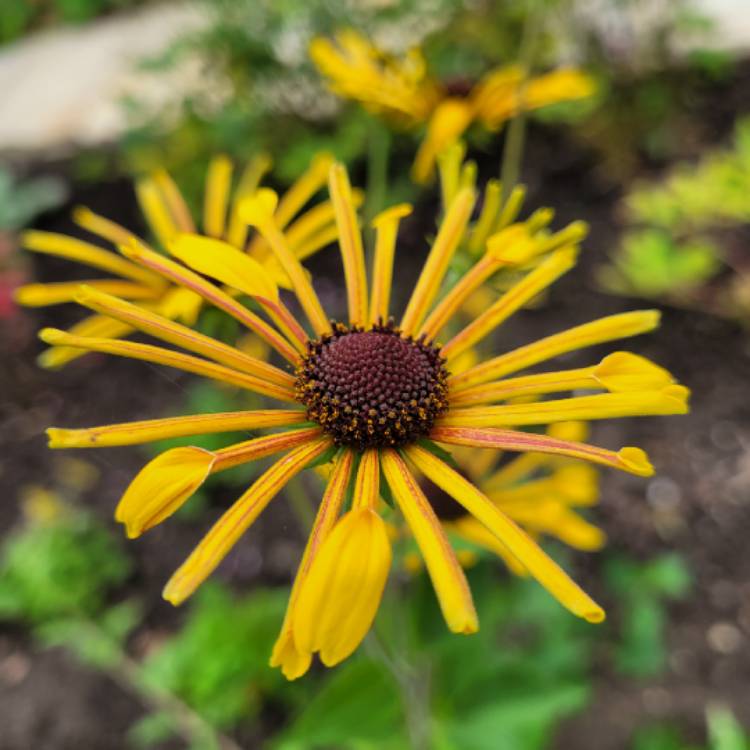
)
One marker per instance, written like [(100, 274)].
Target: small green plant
[(645, 590), (681, 231), (724, 733)]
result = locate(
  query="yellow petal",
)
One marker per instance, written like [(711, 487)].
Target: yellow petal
[(216, 199), (221, 261), (386, 228), (42, 295), (161, 488), (669, 400), (350, 242), (341, 594), (261, 447), (159, 355), (174, 333), (446, 243), (174, 200), (287, 653), (146, 431), (85, 253), (258, 211), (232, 525), (517, 296), (447, 577), (623, 371), (156, 210), (100, 225), (194, 282), (598, 331), (448, 123), (529, 554), (253, 173)]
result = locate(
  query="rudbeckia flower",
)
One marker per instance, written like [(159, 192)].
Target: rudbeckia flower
[(167, 216), (372, 396), (402, 90)]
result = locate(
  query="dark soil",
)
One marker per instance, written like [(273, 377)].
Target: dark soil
[(697, 504)]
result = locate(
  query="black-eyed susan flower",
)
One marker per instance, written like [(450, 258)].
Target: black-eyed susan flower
[(402, 90), (370, 396), (167, 216)]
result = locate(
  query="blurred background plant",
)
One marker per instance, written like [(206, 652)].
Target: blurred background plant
[(687, 233)]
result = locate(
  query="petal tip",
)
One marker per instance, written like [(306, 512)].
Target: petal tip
[(636, 461)]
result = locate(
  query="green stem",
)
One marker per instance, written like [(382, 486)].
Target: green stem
[(300, 503), (510, 165), (378, 149), (129, 674)]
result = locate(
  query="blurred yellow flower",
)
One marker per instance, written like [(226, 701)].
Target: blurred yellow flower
[(372, 397), (168, 216), (402, 90)]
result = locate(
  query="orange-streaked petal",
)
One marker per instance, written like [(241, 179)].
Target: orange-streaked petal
[(620, 372), (260, 447), (340, 596), (175, 333), (447, 577), (174, 200), (350, 242), (159, 355), (100, 326), (671, 399), (516, 297), (448, 238), (529, 554), (386, 229), (232, 525), (86, 254), (211, 293), (101, 226), (367, 484), (146, 431), (598, 331), (258, 211), (56, 293), (287, 654)]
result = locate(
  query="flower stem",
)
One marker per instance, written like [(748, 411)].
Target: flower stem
[(510, 164), (379, 143)]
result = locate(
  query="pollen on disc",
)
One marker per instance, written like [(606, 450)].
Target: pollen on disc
[(372, 388)]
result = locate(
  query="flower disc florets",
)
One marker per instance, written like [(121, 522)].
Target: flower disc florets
[(372, 388)]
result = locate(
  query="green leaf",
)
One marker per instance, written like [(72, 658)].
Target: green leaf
[(724, 731), (358, 703)]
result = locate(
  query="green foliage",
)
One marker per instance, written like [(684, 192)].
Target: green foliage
[(724, 733), (218, 661), (643, 592), (22, 200), (653, 263), (674, 245), (61, 569)]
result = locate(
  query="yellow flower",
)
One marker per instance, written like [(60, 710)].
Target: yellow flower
[(373, 396), (168, 216), (403, 91)]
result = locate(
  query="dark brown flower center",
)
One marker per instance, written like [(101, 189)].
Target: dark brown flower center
[(374, 388)]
